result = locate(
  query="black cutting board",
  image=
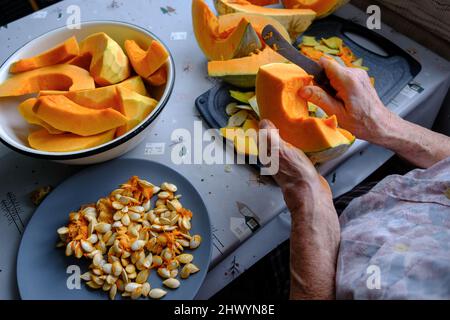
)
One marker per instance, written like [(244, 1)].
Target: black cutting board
[(392, 72)]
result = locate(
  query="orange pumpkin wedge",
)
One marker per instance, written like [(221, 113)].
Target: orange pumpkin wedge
[(58, 77), (59, 54), (277, 87), (26, 110), (146, 62), (263, 2), (159, 77), (67, 142), (103, 97), (109, 64), (64, 114)]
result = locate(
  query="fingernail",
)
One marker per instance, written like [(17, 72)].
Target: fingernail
[(306, 93)]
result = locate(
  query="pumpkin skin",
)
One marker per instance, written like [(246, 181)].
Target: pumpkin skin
[(65, 115), (277, 87), (109, 64), (146, 62), (242, 72), (323, 8), (56, 55), (296, 21), (134, 107), (101, 98), (238, 42), (66, 142), (58, 77), (26, 110)]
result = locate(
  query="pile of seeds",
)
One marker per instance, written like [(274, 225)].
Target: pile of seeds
[(126, 237)]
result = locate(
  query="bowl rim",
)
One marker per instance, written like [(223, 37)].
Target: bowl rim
[(108, 146)]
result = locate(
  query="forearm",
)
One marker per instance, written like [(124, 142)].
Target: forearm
[(314, 242), (418, 145)]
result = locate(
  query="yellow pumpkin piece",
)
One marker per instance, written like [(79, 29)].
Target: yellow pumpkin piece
[(296, 21), (323, 8), (311, 52), (250, 124), (56, 55), (57, 77), (230, 133), (146, 62), (289, 112), (245, 144), (64, 114), (333, 42), (67, 142), (159, 77), (26, 110), (135, 107), (109, 64), (101, 98)]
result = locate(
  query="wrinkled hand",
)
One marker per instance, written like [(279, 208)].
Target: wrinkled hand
[(359, 109), (297, 176)]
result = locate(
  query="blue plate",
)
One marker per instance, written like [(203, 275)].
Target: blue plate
[(43, 271)]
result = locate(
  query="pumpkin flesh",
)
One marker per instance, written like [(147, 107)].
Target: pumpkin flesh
[(58, 77), (146, 62), (238, 42), (27, 112), (323, 8), (277, 87), (56, 55)]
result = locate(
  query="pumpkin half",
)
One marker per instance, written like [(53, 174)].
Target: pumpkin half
[(323, 8), (295, 21), (239, 42), (242, 72), (277, 87)]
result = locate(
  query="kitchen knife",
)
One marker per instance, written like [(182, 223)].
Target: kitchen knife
[(276, 41)]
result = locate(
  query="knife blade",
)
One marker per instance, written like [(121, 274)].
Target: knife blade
[(276, 41)]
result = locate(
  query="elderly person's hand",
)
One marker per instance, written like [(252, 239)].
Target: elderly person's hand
[(315, 227), (358, 107)]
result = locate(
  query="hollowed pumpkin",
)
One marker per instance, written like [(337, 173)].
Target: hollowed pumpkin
[(26, 110), (294, 20), (65, 115), (58, 77), (56, 55), (242, 72), (101, 98), (323, 8), (67, 142), (277, 87), (146, 62), (239, 42), (109, 64)]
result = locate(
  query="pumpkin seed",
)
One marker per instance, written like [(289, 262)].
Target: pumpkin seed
[(171, 283), (157, 293)]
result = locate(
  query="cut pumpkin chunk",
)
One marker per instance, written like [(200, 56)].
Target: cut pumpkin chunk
[(83, 61), (244, 142), (296, 21), (229, 22), (159, 77), (57, 77), (263, 2), (323, 8), (277, 87), (242, 72), (67, 142), (240, 42), (65, 115), (59, 54), (135, 107), (146, 62), (26, 110), (101, 98), (109, 64)]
